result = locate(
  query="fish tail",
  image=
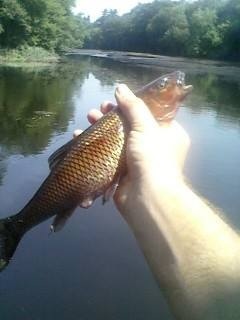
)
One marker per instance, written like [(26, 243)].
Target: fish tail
[(9, 240)]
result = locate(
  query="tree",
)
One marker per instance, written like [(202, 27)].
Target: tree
[(229, 16), (109, 28), (205, 36), (46, 23), (15, 24), (168, 29), (138, 19)]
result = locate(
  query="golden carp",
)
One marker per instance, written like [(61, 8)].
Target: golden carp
[(89, 165)]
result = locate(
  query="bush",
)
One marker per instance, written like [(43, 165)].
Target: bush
[(28, 54)]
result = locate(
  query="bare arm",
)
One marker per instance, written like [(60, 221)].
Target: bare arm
[(193, 253)]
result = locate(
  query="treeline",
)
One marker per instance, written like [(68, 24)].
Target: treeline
[(203, 28), (49, 24)]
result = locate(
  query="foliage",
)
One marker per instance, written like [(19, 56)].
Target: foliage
[(28, 54), (168, 29), (49, 24), (229, 16), (202, 28)]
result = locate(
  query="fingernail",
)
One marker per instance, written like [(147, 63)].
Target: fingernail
[(122, 89)]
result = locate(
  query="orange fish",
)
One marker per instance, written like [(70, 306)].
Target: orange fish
[(89, 165)]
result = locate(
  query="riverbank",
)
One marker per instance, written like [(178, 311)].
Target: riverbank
[(27, 56), (190, 66), (35, 57)]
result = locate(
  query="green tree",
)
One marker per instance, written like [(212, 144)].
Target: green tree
[(201, 28), (168, 29), (46, 23), (109, 29), (138, 19), (205, 36), (15, 24), (229, 15)]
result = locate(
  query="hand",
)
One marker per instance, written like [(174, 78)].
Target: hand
[(155, 153), (179, 234)]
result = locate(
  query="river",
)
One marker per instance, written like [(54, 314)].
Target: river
[(93, 268)]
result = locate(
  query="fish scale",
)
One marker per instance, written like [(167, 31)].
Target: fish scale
[(88, 156), (89, 165), (93, 161)]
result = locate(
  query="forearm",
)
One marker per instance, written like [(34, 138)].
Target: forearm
[(191, 251)]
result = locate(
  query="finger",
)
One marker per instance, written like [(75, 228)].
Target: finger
[(107, 106), (121, 192), (77, 133), (94, 115), (134, 109)]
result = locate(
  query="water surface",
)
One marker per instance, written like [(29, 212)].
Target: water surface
[(93, 269)]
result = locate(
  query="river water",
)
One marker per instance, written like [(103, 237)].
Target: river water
[(93, 268)]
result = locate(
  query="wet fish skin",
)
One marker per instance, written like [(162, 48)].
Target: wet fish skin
[(93, 162), (89, 165), (96, 158)]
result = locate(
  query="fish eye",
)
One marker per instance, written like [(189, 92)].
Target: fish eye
[(163, 82)]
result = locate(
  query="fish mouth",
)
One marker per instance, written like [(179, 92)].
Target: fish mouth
[(180, 81), (179, 78), (187, 88)]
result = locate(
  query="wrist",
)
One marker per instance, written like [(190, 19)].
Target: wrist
[(162, 189), (149, 202)]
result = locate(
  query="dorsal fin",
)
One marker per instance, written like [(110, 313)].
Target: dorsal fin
[(59, 154)]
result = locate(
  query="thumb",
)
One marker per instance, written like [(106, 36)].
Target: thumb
[(134, 109)]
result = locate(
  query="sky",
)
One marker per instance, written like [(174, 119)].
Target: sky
[(94, 8)]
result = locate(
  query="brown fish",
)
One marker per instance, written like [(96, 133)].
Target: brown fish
[(89, 165)]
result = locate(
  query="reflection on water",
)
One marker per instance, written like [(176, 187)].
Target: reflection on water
[(93, 268), (34, 104), (219, 95)]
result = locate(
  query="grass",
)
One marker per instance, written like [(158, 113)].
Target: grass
[(27, 54)]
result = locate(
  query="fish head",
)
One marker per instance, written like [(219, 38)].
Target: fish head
[(164, 95)]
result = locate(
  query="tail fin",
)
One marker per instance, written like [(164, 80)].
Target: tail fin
[(9, 240)]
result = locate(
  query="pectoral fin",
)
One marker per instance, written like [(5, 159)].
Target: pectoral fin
[(60, 220), (110, 192), (86, 203)]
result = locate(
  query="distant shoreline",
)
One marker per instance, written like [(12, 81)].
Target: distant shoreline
[(189, 65)]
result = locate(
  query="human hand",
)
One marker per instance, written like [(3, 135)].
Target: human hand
[(155, 153), (179, 234)]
